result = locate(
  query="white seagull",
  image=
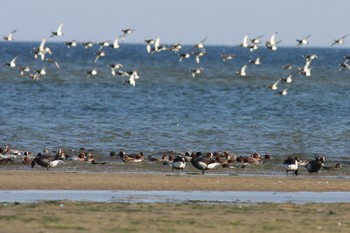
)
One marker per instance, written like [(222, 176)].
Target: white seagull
[(115, 43), (133, 75), (9, 37), (272, 43), (242, 71), (12, 63), (149, 45), (245, 43), (274, 86), (288, 79), (59, 31), (283, 92), (42, 50)]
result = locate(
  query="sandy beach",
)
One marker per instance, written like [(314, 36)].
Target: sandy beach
[(51, 180), (71, 216)]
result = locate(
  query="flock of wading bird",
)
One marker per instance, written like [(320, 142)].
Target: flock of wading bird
[(42, 52), (200, 161)]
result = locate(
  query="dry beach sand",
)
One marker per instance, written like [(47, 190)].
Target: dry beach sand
[(51, 180)]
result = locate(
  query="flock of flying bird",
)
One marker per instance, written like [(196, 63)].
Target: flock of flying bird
[(153, 46)]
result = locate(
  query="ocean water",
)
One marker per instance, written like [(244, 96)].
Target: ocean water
[(168, 110)]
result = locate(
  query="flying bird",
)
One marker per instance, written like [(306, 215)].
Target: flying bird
[(59, 31), (195, 72), (12, 63), (200, 44), (9, 37), (340, 40), (126, 32), (242, 71), (303, 41)]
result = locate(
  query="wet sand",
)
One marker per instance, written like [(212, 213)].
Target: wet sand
[(60, 180), (71, 216)]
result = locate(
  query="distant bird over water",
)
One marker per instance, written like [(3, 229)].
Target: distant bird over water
[(303, 41), (340, 40), (9, 37), (58, 32)]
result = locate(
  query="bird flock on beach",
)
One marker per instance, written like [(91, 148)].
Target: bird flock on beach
[(153, 46), (198, 160)]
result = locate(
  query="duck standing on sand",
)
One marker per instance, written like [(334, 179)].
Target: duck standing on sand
[(179, 163), (291, 164), (315, 165), (44, 161), (204, 163)]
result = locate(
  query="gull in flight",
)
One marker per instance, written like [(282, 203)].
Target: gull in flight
[(115, 67), (99, 54), (225, 57), (255, 61), (340, 40), (283, 92), (24, 69), (59, 31), (274, 86), (288, 79), (9, 37), (92, 72), (200, 44), (344, 65), (52, 61), (303, 41), (133, 75), (88, 44), (256, 40), (149, 45), (176, 47), (245, 43), (126, 32), (115, 43), (272, 43), (198, 55), (42, 50), (195, 72), (12, 63), (242, 71), (71, 44), (184, 55)]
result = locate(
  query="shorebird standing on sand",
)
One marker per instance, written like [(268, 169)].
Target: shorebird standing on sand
[(291, 164)]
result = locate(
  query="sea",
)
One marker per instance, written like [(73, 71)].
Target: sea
[(170, 111)]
